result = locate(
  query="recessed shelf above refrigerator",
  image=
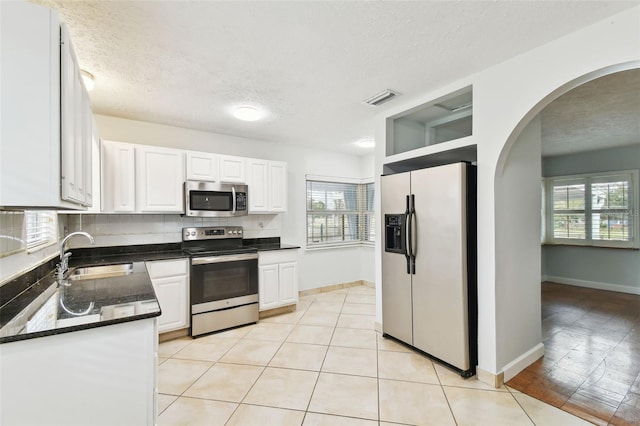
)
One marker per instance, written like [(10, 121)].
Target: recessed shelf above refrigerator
[(442, 120)]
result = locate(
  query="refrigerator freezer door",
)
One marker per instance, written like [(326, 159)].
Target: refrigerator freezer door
[(440, 315), (396, 283)]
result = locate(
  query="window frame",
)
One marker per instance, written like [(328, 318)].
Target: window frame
[(588, 180), (365, 237)]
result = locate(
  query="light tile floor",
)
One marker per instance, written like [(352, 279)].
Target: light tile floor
[(326, 365)]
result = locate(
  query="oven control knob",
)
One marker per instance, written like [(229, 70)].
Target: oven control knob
[(240, 232), (193, 233)]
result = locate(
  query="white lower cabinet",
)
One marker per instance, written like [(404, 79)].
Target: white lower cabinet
[(103, 375), (170, 279), (278, 278)]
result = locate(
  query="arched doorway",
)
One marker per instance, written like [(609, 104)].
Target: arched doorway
[(517, 205)]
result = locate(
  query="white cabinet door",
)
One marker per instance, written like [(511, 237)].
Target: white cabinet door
[(278, 278), (170, 281), (108, 374), (76, 122), (267, 182), (277, 186), (69, 95), (172, 296), (288, 278), (118, 177), (268, 287), (159, 179), (232, 169), (202, 166), (258, 181)]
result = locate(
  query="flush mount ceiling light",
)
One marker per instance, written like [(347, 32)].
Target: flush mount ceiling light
[(366, 143), (381, 97), (247, 113), (87, 79)]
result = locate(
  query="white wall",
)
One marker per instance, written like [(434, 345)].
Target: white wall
[(506, 97), (317, 267), (518, 206)]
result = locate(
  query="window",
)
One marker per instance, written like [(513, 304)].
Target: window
[(597, 209), (41, 228), (339, 212)]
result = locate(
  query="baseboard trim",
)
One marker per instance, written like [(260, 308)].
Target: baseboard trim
[(491, 379), (175, 334), (593, 284), (277, 311), (523, 361), (334, 287)]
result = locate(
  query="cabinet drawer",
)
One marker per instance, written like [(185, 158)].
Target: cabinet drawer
[(167, 268), (277, 256)]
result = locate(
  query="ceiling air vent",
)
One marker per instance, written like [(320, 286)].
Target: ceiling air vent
[(381, 97)]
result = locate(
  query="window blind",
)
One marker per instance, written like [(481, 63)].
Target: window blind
[(40, 227), (339, 213), (593, 209)]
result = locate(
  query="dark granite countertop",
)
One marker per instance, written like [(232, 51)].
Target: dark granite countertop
[(48, 308), (267, 244), (34, 305), (30, 304)]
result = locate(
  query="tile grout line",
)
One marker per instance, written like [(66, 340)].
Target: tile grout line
[(446, 398), (264, 368), (520, 405), (322, 364)]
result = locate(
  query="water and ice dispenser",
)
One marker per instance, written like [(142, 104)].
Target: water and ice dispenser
[(395, 233)]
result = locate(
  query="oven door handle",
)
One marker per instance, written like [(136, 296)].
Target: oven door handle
[(222, 259)]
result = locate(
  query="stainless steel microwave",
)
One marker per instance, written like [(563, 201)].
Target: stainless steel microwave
[(215, 199)]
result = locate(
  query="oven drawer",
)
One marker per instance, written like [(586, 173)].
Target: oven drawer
[(226, 318)]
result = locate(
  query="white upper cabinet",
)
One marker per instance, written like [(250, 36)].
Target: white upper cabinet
[(267, 186), (118, 177), (258, 180), (30, 112), (232, 169), (159, 179), (202, 166), (141, 178), (277, 186), (76, 127)]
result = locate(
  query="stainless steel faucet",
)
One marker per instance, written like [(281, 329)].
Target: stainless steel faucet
[(63, 266)]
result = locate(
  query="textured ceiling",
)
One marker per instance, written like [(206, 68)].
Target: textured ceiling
[(309, 63), (602, 113)]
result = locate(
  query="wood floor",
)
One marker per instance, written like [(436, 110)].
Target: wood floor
[(591, 366)]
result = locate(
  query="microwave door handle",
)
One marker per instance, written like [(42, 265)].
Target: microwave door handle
[(233, 195)]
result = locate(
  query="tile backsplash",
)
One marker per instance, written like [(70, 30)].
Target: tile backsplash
[(124, 229), (12, 232)]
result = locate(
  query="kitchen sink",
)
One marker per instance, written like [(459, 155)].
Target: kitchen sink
[(102, 271)]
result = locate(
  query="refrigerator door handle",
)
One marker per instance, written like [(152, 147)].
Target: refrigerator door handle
[(407, 236), (413, 246)]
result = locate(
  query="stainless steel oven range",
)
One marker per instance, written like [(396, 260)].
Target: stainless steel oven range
[(224, 278)]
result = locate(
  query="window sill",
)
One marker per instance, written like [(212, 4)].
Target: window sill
[(40, 247), (337, 246), (589, 246)]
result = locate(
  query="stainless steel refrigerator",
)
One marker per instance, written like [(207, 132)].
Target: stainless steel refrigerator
[(429, 298)]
